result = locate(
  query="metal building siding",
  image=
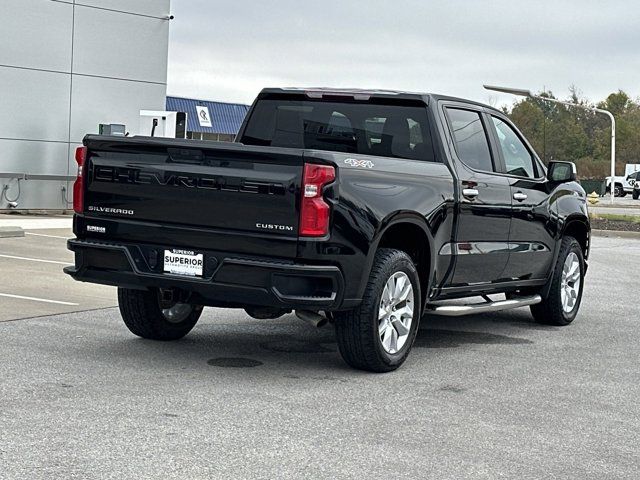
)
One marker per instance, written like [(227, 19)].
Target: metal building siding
[(47, 113), (225, 117)]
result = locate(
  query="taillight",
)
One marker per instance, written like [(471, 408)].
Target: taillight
[(78, 186), (314, 211)]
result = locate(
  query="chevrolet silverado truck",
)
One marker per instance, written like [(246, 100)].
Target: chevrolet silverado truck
[(364, 209)]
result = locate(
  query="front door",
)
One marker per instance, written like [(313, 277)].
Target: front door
[(481, 247), (531, 238)]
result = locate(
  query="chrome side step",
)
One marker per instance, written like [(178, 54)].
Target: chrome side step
[(488, 306)]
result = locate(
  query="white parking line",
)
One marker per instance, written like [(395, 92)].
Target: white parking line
[(43, 235), (35, 259), (35, 299), (36, 223)]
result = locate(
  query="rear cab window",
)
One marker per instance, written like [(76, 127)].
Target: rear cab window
[(351, 126)]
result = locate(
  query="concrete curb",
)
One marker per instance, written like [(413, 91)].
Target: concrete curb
[(607, 204), (615, 233), (35, 222), (10, 232)]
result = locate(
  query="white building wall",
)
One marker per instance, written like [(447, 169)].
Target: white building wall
[(65, 67)]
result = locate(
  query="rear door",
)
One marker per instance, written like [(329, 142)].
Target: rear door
[(531, 237), (481, 246)]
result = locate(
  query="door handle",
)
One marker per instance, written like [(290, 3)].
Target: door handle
[(519, 196), (470, 192)]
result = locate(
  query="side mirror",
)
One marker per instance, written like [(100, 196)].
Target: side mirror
[(560, 172)]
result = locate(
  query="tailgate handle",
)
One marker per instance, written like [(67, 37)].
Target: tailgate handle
[(185, 155)]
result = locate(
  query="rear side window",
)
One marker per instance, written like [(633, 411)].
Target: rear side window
[(470, 138), (351, 127)]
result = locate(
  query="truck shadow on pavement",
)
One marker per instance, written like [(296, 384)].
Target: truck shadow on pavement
[(438, 338), (484, 329), (291, 345)]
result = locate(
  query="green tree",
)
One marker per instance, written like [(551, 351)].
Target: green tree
[(559, 132)]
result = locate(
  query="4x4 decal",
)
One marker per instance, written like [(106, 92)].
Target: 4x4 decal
[(354, 162)]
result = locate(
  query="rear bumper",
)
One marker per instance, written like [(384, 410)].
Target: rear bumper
[(227, 281)]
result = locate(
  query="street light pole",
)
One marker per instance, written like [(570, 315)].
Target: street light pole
[(613, 150), (527, 93)]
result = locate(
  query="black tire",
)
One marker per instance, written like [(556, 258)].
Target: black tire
[(357, 330), (550, 311), (635, 194), (144, 317), (618, 191)]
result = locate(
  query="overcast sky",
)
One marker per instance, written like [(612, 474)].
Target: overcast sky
[(228, 50)]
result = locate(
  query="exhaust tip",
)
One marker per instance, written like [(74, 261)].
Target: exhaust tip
[(312, 318)]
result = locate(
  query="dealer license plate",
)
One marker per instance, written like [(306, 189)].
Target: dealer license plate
[(183, 262)]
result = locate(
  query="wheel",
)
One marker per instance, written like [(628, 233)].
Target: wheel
[(377, 335), (618, 191), (561, 305), (144, 315), (635, 194)]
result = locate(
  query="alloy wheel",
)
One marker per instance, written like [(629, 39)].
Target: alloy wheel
[(570, 285), (396, 312)]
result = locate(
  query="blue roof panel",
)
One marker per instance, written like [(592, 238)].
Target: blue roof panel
[(225, 117)]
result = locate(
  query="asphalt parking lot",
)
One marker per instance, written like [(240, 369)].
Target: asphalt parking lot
[(483, 397), (32, 268)]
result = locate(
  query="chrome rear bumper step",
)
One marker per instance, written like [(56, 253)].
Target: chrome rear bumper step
[(489, 306)]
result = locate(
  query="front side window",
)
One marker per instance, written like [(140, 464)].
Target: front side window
[(517, 157), (470, 138), (400, 131)]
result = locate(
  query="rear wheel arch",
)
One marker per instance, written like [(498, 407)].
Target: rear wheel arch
[(363, 332), (409, 233)]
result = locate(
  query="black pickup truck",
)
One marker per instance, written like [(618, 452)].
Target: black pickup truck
[(365, 209)]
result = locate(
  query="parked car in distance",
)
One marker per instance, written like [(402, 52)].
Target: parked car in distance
[(365, 209), (623, 184)]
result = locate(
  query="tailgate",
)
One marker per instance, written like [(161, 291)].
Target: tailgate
[(224, 187)]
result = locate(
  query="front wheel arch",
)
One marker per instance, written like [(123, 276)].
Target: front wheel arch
[(551, 311), (578, 228)]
